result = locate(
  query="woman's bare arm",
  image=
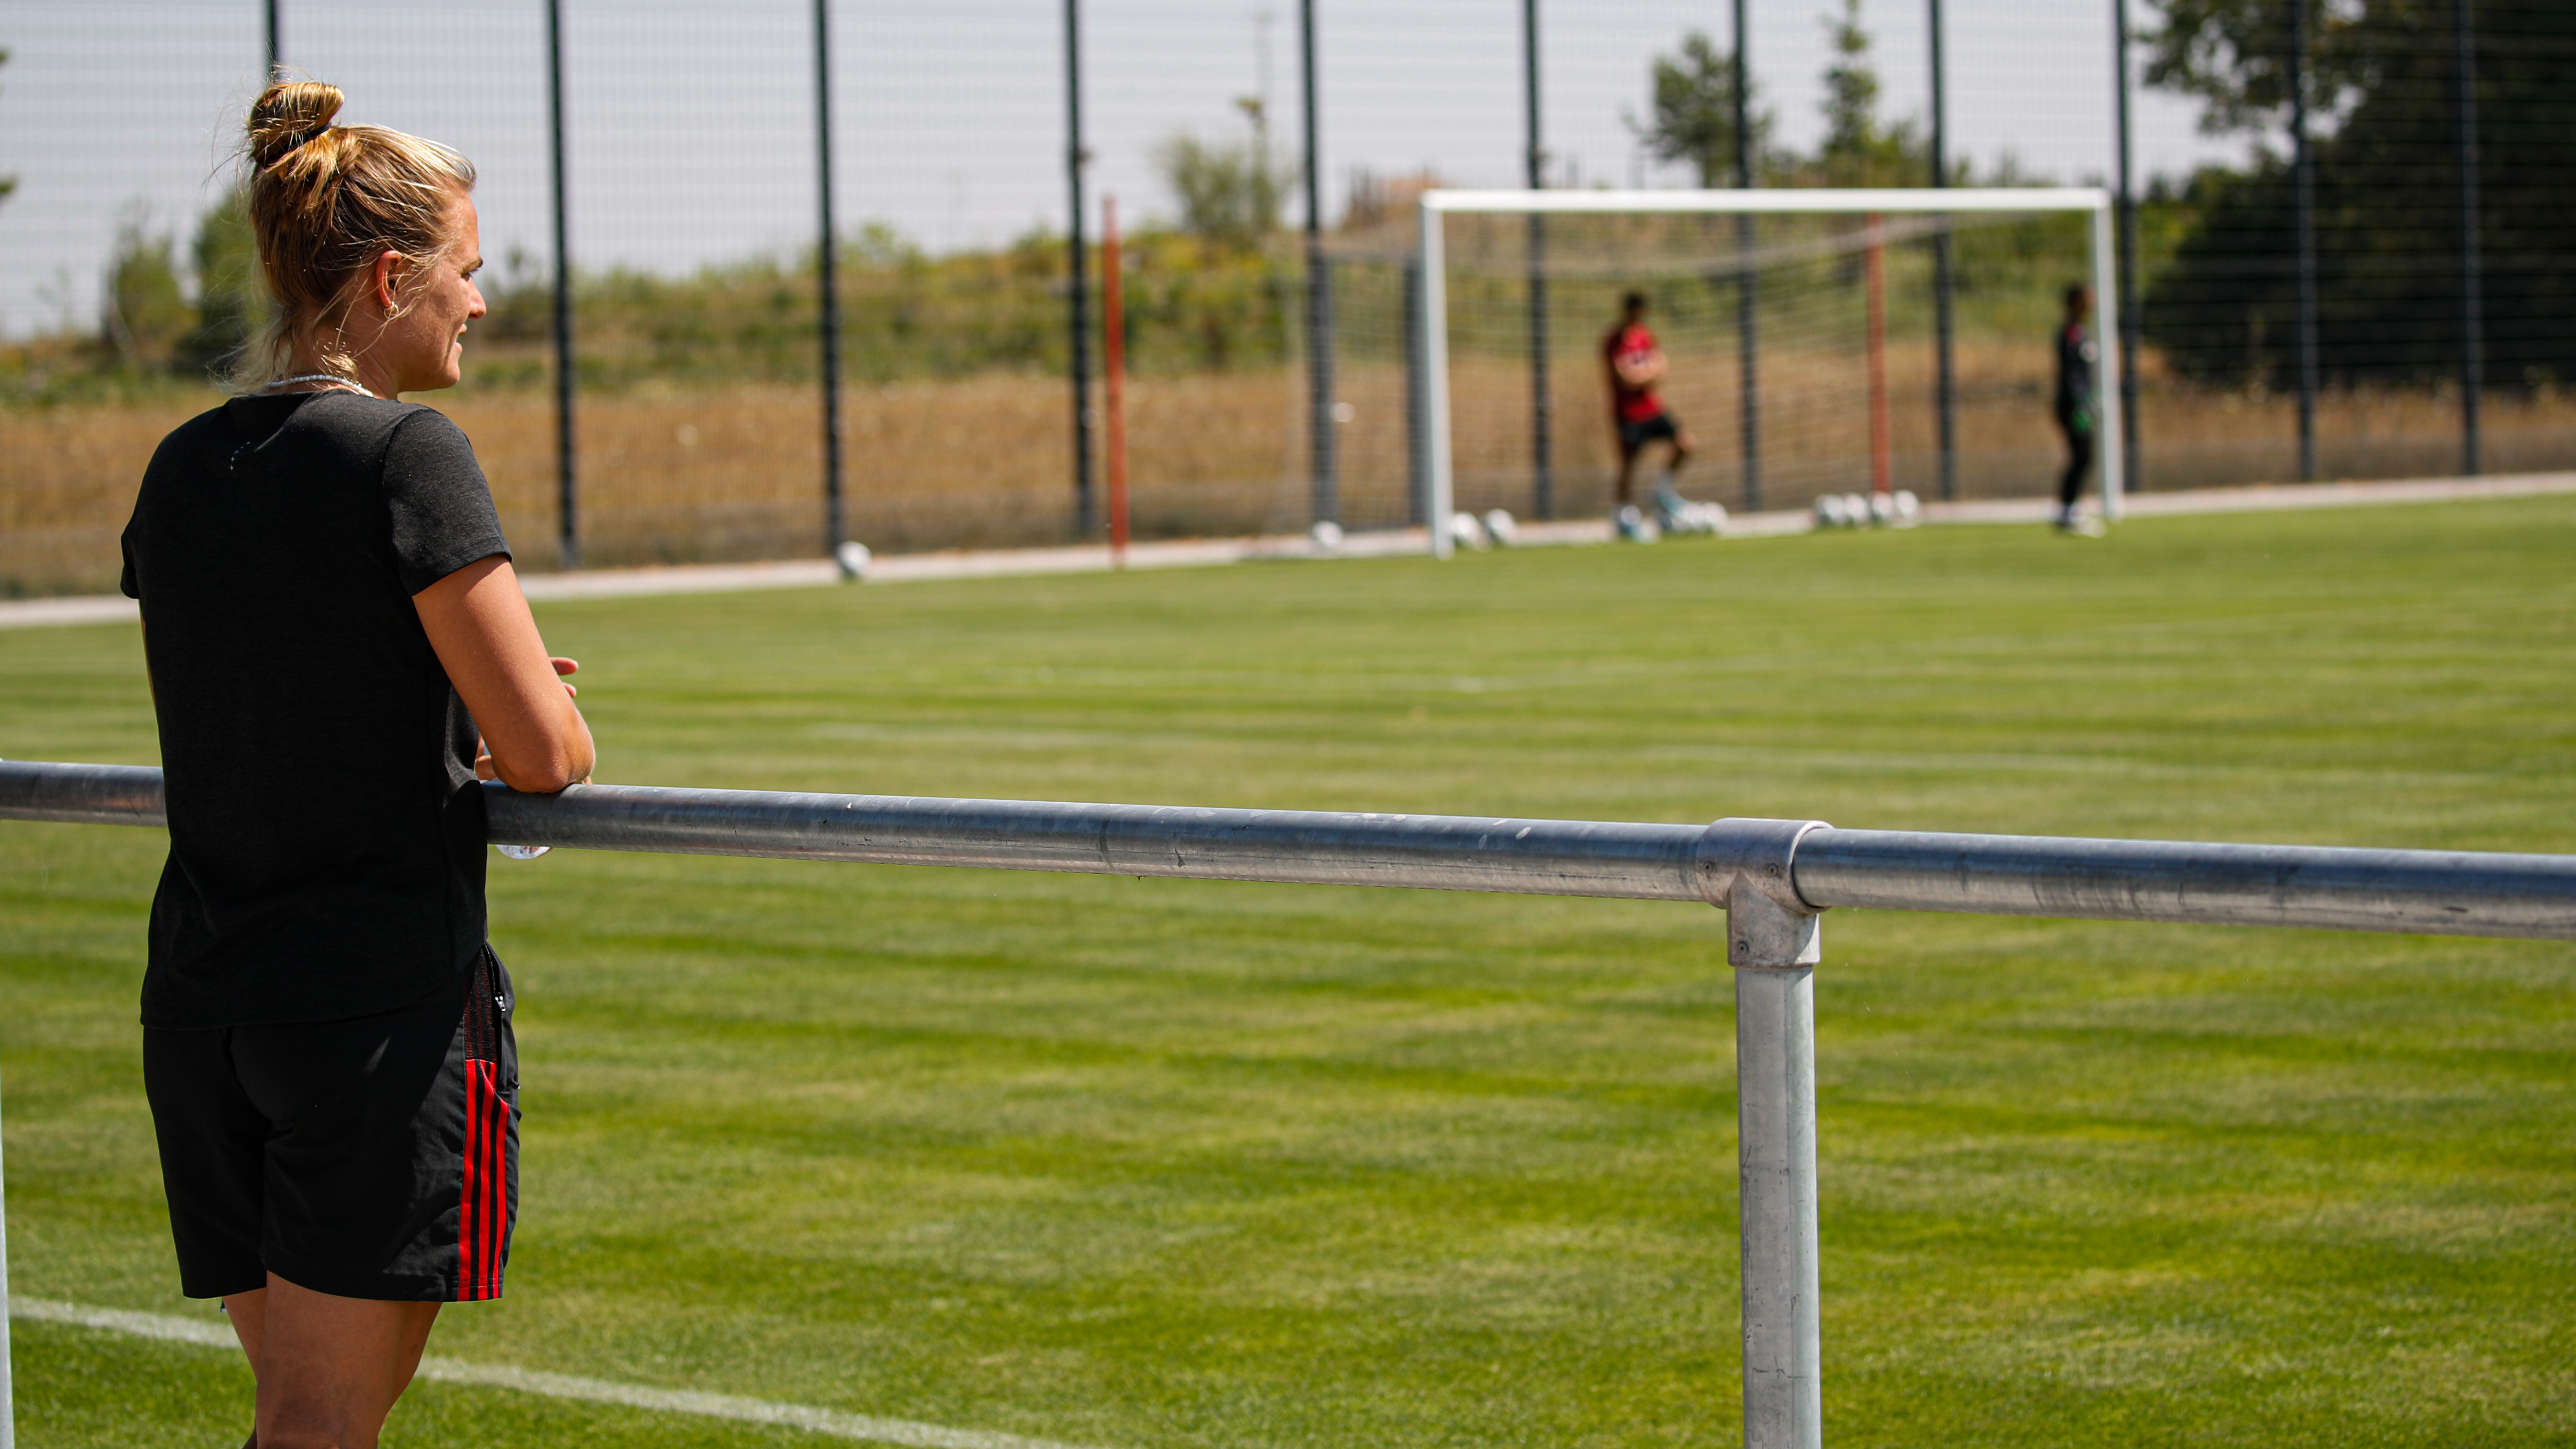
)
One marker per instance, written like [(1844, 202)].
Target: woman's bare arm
[(479, 623)]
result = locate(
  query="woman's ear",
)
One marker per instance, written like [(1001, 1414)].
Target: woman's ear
[(386, 262)]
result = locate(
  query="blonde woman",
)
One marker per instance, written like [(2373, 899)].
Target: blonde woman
[(338, 647)]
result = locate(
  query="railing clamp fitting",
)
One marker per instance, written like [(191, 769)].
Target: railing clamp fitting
[(1745, 869)]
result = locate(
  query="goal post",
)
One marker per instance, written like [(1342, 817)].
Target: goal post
[(1938, 208)]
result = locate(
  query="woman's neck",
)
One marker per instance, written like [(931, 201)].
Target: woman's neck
[(357, 369)]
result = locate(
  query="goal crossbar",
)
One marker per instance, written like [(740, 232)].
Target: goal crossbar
[(2093, 203)]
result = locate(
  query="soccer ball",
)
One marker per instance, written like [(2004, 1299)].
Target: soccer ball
[(1675, 514), (1467, 531), (1500, 528), (853, 557), (1327, 535), (1630, 523), (1909, 509), (1695, 517), (1882, 510), (1855, 511), (1829, 511)]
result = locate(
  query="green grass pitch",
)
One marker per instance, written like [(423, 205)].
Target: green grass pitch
[(1153, 1163)]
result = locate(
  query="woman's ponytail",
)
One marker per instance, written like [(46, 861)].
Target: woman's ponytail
[(325, 202)]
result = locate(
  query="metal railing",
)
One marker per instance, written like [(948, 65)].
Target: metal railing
[(1772, 878)]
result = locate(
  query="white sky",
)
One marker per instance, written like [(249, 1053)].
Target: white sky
[(691, 124)]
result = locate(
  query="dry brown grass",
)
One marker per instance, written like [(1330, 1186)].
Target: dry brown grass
[(679, 476)]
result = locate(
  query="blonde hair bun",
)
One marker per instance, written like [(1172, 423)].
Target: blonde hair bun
[(326, 202), (287, 115)]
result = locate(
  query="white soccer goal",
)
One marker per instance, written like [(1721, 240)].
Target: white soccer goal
[(1791, 312)]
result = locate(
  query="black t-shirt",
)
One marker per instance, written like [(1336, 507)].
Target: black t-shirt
[(326, 833), (2075, 376)]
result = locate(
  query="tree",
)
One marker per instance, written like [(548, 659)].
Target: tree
[(2235, 56), (1692, 116), (7, 183), (2387, 198), (1231, 193), (1858, 149), (232, 303), (143, 312)]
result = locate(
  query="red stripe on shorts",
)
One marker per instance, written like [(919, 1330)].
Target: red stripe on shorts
[(483, 1216)]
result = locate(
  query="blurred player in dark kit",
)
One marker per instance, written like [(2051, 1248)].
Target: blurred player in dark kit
[(2078, 415)]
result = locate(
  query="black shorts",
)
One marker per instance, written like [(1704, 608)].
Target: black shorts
[(372, 1157), (1636, 435)]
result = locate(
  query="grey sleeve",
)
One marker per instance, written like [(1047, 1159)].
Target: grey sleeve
[(437, 500)]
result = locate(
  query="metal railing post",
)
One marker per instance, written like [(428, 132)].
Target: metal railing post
[(1775, 1083), (1745, 868)]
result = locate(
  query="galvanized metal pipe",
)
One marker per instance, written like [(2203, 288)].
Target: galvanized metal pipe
[(2461, 893), (81, 794), (1775, 1095), (2431, 892), (1428, 852), (1771, 939)]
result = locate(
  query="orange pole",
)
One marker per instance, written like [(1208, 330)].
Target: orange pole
[(1879, 463), (1114, 354)]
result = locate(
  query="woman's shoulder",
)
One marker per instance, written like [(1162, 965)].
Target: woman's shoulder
[(388, 431), (213, 422), (427, 453), (204, 440), (417, 430)]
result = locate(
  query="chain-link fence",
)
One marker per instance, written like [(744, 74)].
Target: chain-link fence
[(2346, 246)]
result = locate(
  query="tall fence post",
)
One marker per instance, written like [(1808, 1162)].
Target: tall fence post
[(2304, 178), (2473, 301), (1079, 323), (1113, 375), (276, 57), (1748, 353), (1323, 460), (1745, 868), (2131, 319), (828, 280), (1945, 388), (567, 492), (1417, 443), (2112, 388), (1542, 402)]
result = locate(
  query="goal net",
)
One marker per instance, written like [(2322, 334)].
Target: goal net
[(1800, 329)]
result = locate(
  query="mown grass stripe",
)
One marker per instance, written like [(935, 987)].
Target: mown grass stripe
[(866, 1427)]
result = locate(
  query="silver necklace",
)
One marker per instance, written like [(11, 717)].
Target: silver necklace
[(333, 378)]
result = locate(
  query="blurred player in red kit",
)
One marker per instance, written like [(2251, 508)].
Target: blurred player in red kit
[(1634, 363)]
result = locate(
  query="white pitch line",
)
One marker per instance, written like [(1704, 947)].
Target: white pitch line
[(867, 1427)]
